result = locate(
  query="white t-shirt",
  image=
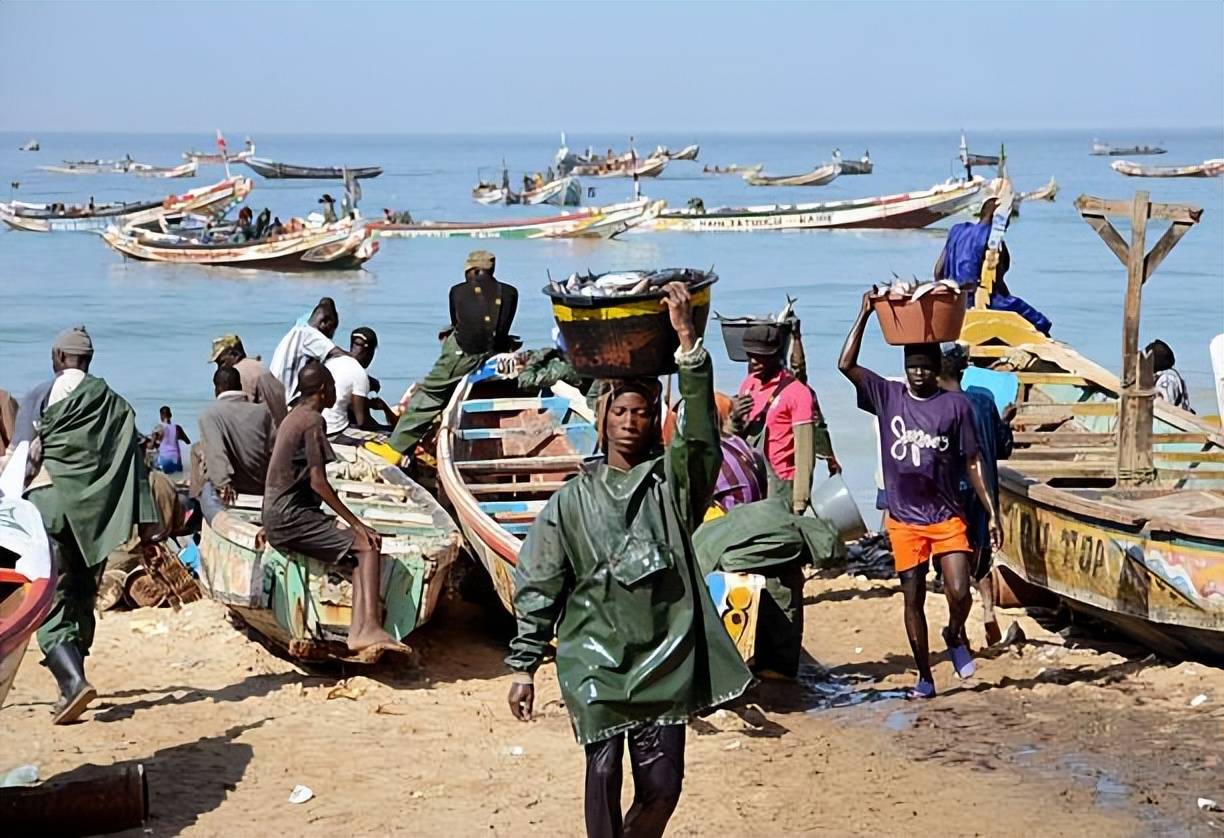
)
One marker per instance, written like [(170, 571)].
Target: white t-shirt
[(351, 380), (299, 345)]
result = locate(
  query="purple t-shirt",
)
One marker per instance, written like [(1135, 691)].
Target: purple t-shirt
[(924, 445)]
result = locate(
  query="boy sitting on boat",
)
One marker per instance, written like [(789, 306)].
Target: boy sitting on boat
[(293, 520)]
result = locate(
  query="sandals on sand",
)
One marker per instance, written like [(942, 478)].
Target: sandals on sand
[(922, 690)]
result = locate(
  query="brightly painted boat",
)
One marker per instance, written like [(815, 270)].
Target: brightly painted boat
[(122, 167), (908, 210), (27, 577), (214, 200), (1208, 168), (626, 165), (305, 606), (1148, 560), (591, 222), (338, 246), (223, 156), (274, 170), (817, 177), (1100, 149), (503, 451), (188, 169)]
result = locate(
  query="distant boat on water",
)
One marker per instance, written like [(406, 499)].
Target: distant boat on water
[(32, 145), (1100, 149), (273, 170), (1208, 168)]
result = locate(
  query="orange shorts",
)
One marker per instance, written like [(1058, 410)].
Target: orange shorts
[(913, 544)]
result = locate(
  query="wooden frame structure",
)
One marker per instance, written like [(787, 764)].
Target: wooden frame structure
[(1135, 463)]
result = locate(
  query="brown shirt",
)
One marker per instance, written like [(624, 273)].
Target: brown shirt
[(301, 443)]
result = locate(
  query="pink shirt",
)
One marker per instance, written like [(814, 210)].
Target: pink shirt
[(793, 406)]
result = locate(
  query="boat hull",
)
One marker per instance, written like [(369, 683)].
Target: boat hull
[(209, 200), (305, 606), (1164, 592), (276, 171), (311, 250), (1208, 168), (896, 212), (817, 177), (594, 222)]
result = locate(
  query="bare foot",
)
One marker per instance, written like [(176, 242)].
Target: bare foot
[(372, 637)]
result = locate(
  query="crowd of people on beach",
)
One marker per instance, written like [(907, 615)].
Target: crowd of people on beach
[(613, 567)]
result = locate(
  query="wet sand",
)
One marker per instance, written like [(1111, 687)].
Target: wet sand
[(1057, 736)]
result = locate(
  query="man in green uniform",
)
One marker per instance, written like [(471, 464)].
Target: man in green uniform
[(482, 311), (91, 487), (609, 569)]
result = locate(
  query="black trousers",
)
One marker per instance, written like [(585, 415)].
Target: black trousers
[(656, 755)]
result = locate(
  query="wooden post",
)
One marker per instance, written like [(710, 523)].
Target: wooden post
[(1138, 394)]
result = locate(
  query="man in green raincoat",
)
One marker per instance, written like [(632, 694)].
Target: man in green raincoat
[(91, 487), (609, 570)]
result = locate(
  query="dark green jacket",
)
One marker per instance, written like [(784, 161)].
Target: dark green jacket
[(90, 449), (609, 570)]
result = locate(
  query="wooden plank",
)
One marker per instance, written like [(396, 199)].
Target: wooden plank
[(518, 465), (1088, 205), (1167, 242), (1029, 409), (356, 487), (1039, 451), (1060, 438), (1109, 235), (514, 517), (524, 487), (1054, 378), (492, 506), (1213, 456), (514, 405)]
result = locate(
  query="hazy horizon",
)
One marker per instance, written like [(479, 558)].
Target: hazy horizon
[(1098, 68)]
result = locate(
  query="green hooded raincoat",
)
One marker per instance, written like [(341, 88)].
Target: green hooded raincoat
[(609, 570)]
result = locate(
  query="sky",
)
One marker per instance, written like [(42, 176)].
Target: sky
[(389, 67)]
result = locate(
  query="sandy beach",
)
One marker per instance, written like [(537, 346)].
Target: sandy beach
[(1059, 735)]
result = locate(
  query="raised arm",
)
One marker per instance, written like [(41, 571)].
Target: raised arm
[(848, 363), (695, 454)]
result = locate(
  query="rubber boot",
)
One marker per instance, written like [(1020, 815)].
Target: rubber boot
[(68, 666)]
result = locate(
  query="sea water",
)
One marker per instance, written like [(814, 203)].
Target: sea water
[(153, 324)]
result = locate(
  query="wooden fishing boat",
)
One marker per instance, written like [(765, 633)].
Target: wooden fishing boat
[(1041, 193), (126, 166), (214, 200), (1100, 149), (590, 222), (27, 573), (908, 210), (32, 145), (627, 165), (1123, 521), (817, 177), (503, 451), (272, 169), (1208, 168), (732, 169), (562, 192), (862, 166), (188, 169), (305, 606), (221, 156), (338, 246), (689, 152)]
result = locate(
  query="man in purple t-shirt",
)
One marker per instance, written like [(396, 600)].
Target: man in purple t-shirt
[(927, 444)]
